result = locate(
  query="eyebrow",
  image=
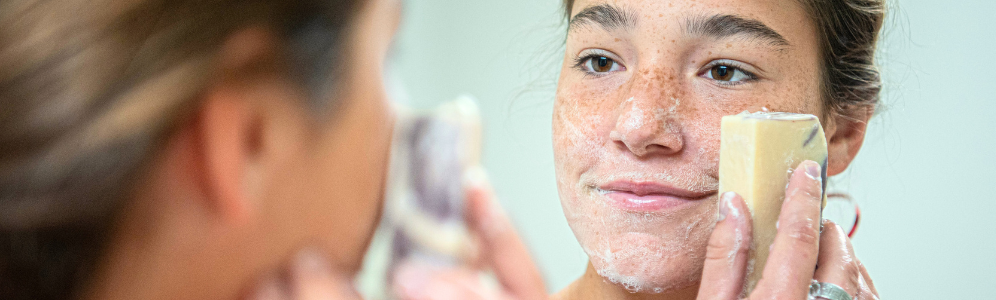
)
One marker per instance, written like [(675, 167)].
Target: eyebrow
[(604, 15), (724, 26)]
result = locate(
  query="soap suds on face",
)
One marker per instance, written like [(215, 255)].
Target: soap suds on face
[(645, 252), (646, 262), (635, 120), (641, 251)]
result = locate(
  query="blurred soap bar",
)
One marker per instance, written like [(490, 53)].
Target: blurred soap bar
[(758, 152)]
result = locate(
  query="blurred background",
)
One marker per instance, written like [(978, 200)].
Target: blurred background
[(922, 178)]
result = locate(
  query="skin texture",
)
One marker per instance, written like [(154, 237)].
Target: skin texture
[(654, 117), (254, 176)]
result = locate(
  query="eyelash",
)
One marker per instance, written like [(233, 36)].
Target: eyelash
[(580, 61), (592, 54), (736, 66)]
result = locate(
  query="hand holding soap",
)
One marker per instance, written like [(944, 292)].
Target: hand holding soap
[(758, 152)]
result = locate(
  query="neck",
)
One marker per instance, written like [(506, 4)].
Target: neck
[(153, 256), (593, 286), (171, 242)]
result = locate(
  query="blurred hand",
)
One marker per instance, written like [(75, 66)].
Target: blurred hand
[(798, 249), (308, 277), (500, 250)]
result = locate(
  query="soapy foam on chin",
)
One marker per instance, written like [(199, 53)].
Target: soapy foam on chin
[(626, 250), (607, 268), (644, 252)]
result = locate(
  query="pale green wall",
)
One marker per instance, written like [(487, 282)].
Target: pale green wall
[(923, 178)]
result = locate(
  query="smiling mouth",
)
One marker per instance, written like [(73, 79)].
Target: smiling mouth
[(649, 196)]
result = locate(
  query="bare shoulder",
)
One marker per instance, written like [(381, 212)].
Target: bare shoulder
[(567, 293), (561, 295)]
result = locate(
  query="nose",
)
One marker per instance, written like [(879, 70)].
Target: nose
[(648, 127)]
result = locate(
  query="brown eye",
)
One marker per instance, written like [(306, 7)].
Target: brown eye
[(598, 63), (722, 73), (602, 64), (726, 74)]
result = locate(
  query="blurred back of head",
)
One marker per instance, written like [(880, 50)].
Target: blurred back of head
[(89, 90)]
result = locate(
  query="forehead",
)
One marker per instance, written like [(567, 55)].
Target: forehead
[(786, 19)]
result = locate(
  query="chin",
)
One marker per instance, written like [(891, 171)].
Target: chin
[(643, 252), (642, 263)]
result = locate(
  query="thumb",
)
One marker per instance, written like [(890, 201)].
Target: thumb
[(501, 247), (726, 255)]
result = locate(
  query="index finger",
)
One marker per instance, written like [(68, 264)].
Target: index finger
[(726, 254), (792, 260), (502, 248)]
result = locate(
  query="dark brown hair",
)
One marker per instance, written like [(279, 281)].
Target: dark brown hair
[(89, 89), (848, 33)]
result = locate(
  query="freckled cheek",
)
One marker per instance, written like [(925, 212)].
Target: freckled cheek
[(702, 117), (704, 136), (798, 95), (702, 139), (581, 118)]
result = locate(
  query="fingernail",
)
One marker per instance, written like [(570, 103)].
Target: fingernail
[(475, 177), (309, 261), (725, 206), (813, 171)]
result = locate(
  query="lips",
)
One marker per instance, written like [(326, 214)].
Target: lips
[(649, 196)]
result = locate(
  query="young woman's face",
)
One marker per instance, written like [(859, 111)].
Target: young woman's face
[(636, 124)]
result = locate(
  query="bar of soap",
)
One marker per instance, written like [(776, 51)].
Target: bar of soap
[(758, 152)]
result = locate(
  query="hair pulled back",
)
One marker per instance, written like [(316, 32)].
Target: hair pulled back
[(90, 88)]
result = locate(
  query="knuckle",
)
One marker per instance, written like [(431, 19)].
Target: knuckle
[(725, 250), (717, 249), (853, 271), (806, 191), (803, 231), (853, 274)]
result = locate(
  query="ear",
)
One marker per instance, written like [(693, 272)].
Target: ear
[(224, 133), (846, 134), (228, 127)]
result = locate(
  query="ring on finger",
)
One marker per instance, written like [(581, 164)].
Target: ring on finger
[(826, 290)]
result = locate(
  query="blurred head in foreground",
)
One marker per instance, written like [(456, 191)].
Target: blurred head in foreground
[(178, 149)]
